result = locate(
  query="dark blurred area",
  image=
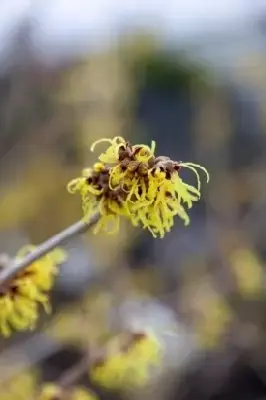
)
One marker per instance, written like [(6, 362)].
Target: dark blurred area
[(202, 101)]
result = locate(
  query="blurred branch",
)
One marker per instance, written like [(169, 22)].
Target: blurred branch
[(46, 247), (93, 357), (73, 374), (26, 354)]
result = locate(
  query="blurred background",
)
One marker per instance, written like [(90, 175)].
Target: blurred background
[(191, 76)]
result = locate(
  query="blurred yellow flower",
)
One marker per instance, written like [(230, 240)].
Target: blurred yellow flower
[(217, 316), (214, 316), (129, 181), (130, 367), (51, 391), (21, 387), (248, 272), (20, 297)]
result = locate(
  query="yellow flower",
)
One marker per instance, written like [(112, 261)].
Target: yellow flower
[(130, 367), (20, 387), (20, 297), (96, 195), (121, 149), (129, 181), (52, 391), (248, 271), (215, 315)]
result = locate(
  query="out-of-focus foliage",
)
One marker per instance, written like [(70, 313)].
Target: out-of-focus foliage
[(21, 387), (212, 313), (87, 322), (163, 72), (248, 272), (52, 391)]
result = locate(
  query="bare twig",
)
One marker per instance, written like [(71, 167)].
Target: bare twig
[(91, 358), (73, 374), (44, 248), (26, 355)]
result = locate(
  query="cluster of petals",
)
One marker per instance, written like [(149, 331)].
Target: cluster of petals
[(130, 181), (52, 391), (128, 367), (21, 296)]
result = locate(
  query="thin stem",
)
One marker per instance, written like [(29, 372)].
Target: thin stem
[(27, 354), (94, 356), (44, 248), (72, 375)]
